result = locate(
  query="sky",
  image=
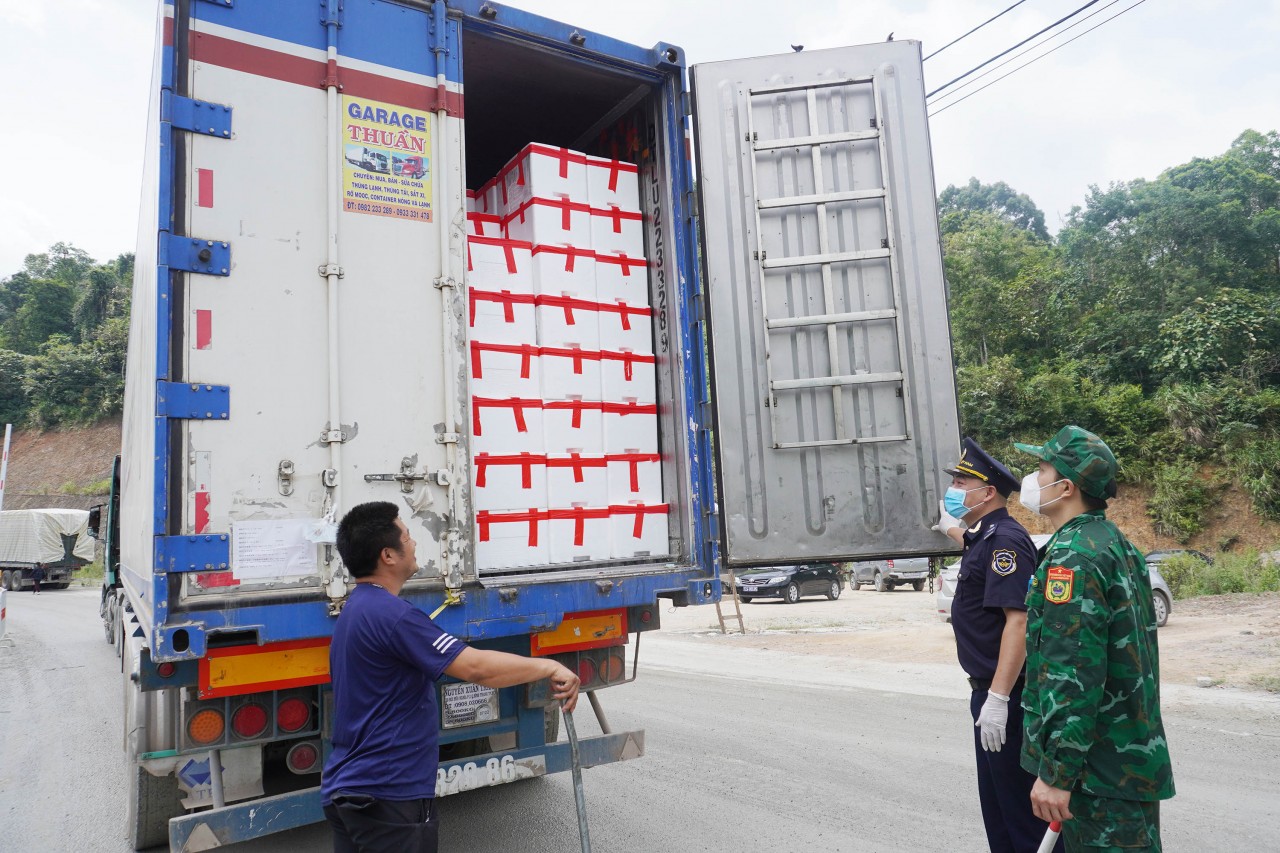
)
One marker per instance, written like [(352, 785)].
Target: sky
[(1163, 83)]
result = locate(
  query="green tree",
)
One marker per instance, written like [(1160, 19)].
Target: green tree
[(13, 401), (999, 199)]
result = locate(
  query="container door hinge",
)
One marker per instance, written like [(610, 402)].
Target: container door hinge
[(284, 477), (199, 116), (442, 283), (194, 254), (192, 401), (326, 270), (447, 438), (203, 553)]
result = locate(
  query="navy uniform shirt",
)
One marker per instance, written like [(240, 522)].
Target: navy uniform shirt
[(999, 560)]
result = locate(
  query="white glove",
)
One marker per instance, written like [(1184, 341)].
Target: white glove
[(992, 720), (947, 521)]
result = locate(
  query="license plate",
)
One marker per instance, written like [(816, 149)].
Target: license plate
[(466, 704), (749, 588), (496, 771)]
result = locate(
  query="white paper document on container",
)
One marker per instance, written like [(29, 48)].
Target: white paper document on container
[(275, 548)]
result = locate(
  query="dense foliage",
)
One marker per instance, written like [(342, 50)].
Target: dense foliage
[(64, 324), (1153, 319)]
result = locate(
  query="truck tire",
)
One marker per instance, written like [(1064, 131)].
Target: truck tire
[(4, 579), (14, 582), (881, 584), (152, 801)]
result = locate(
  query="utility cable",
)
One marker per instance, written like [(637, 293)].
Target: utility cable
[(1021, 54), (1010, 50), (1038, 58), (972, 31)]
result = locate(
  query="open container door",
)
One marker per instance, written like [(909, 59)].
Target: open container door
[(832, 375)]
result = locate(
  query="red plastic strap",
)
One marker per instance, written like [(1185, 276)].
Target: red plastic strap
[(630, 408), (578, 355), (564, 155), (639, 511), (623, 260), (571, 254), (616, 214), (484, 518), (517, 405), (569, 304), (578, 463), (615, 167), (508, 249), (576, 406), (579, 515), (479, 219), (634, 460), (624, 311), (506, 299), (629, 360), (527, 351), (566, 207), (526, 461)]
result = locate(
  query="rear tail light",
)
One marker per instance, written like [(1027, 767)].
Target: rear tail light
[(250, 721), (889, 563), (293, 715), (586, 671), (303, 757), (206, 726), (165, 670), (613, 668)]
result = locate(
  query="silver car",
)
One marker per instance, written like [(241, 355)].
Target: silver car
[(884, 575), (1161, 597)]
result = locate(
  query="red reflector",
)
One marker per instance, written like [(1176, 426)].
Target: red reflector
[(613, 668), (293, 715), (586, 671), (646, 616), (249, 721), (302, 757), (164, 670)]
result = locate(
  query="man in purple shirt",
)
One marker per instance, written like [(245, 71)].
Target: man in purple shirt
[(378, 786)]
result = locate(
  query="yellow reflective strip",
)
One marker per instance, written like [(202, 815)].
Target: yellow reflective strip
[(268, 666)]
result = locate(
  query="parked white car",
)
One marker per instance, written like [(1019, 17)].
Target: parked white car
[(951, 571)]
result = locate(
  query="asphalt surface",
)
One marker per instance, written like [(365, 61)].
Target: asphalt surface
[(746, 750)]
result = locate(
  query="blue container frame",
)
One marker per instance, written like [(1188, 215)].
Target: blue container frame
[(485, 614)]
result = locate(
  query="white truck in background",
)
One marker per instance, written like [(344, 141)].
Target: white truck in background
[(56, 538)]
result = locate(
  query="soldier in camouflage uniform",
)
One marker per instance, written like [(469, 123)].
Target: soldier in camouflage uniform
[(1093, 733)]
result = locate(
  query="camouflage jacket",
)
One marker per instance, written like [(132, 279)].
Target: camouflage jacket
[(1092, 700)]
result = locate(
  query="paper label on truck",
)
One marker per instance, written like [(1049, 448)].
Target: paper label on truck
[(273, 549), (386, 167)]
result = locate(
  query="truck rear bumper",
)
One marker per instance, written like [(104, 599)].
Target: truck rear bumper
[(210, 829)]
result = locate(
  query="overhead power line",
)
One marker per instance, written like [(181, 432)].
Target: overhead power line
[(972, 31), (1010, 50), (1059, 34), (1038, 58)]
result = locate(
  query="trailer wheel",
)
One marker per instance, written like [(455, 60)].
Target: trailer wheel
[(4, 579), (152, 801)]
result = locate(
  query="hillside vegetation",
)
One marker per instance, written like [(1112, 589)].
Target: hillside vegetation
[(1153, 319)]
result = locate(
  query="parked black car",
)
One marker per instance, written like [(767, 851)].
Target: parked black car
[(791, 583)]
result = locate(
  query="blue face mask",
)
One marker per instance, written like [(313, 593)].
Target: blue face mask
[(953, 500)]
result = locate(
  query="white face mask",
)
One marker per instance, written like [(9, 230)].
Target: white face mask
[(1030, 493)]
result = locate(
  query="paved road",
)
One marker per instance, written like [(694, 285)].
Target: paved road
[(770, 753)]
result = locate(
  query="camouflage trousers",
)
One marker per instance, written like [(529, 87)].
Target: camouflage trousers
[(1104, 824)]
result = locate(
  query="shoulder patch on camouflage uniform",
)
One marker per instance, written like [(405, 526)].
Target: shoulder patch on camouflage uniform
[(1004, 562), (1057, 588)]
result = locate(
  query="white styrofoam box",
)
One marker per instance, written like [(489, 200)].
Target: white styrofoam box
[(616, 230), (621, 277), (473, 201), (628, 376), (634, 477), (577, 479), (506, 425), (503, 479), (484, 225), (498, 316), (570, 371), (573, 426), (505, 370), (487, 198), (639, 530), (544, 171), (579, 533), (512, 538), (564, 269), (569, 318), (630, 427), (613, 182), (554, 221), (623, 327), (495, 263)]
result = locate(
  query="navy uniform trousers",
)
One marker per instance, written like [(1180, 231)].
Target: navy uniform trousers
[(1004, 788)]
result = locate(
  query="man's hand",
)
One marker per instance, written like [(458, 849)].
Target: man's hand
[(1049, 803), (947, 521), (992, 719), (564, 686)]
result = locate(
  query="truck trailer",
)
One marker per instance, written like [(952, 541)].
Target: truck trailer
[(55, 538), (746, 370)]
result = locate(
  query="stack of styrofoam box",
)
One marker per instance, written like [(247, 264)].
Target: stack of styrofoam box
[(589, 352)]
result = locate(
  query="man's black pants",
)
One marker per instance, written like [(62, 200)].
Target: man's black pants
[(364, 824)]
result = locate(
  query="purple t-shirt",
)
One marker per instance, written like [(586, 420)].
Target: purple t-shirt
[(384, 662)]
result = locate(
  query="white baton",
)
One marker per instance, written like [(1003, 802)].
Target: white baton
[(1050, 837)]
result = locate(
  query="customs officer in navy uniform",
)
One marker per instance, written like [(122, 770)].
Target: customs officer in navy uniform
[(989, 616)]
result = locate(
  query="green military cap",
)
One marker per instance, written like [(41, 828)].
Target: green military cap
[(1081, 457)]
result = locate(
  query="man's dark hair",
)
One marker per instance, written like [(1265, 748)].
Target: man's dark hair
[(1093, 504), (362, 534)]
